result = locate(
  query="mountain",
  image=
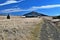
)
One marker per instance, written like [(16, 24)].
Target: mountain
[(34, 14), (56, 17), (20, 14), (11, 14), (3, 14)]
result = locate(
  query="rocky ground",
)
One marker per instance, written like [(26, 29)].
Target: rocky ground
[(28, 29)]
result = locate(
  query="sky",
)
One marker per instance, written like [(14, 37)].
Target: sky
[(20, 7)]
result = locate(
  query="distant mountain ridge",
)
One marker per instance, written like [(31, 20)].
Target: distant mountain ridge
[(34, 14), (30, 13), (56, 17), (3, 14)]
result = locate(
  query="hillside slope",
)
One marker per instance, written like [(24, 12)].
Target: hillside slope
[(28, 29)]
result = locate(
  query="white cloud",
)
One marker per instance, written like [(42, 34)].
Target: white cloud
[(46, 6), (29, 9), (14, 10), (10, 2)]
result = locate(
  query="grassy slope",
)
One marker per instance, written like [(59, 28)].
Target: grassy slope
[(23, 29), (19, 29)]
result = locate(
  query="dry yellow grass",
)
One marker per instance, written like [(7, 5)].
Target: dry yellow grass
[(18, 28)]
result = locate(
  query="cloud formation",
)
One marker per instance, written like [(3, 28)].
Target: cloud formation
[(14, 10), (10, 2), (46, 6), (29, 9), (11, 10)]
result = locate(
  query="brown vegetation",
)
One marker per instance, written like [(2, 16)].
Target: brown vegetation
[(18, 28)]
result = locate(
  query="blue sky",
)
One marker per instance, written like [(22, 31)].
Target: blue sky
[(20, 7)]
